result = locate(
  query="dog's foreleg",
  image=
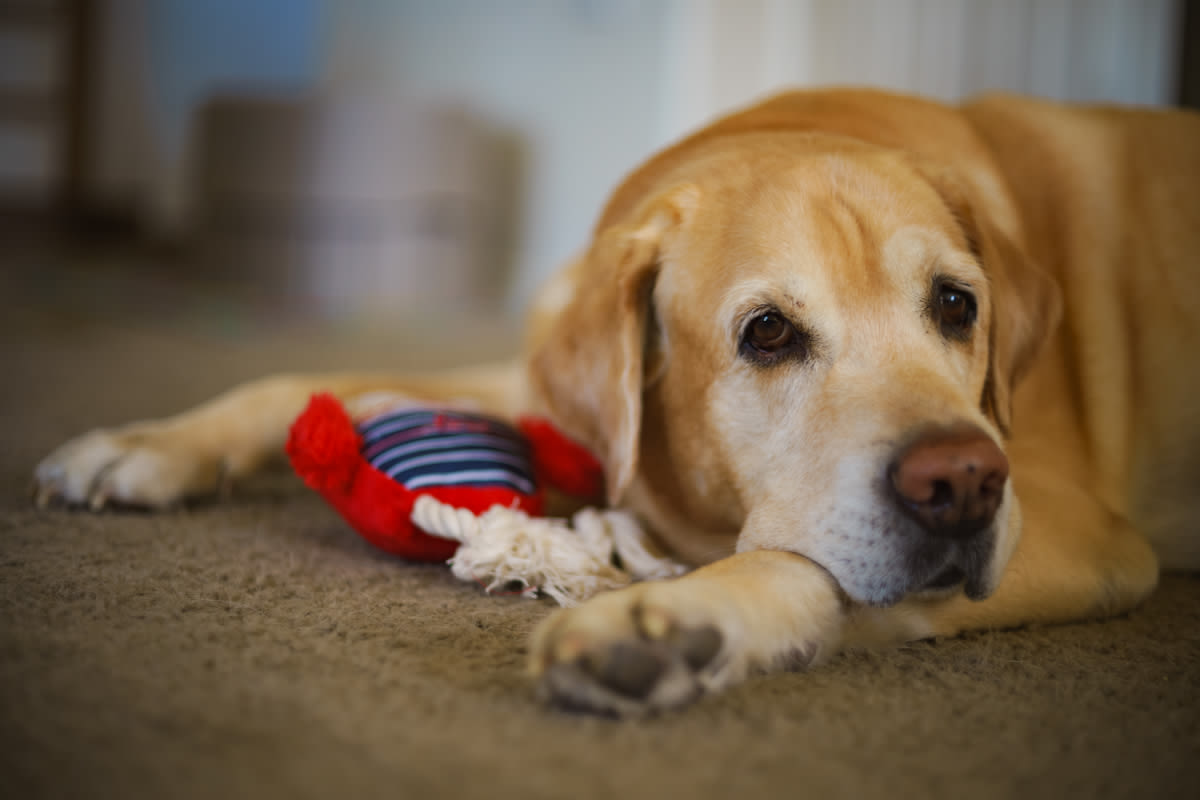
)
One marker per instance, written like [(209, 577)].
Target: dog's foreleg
[(157, 463)]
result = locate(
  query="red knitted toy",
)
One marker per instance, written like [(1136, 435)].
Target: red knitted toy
[(372, 470)]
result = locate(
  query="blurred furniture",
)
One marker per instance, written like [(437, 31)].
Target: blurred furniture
[(348, 206), (1189, 57), (44, 90)]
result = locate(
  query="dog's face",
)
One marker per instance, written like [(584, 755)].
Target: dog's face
[(803, 350)]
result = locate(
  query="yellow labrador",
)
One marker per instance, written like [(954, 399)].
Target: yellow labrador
[(891, 369)]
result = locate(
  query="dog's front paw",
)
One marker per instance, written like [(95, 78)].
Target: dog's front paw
[(637, 650), (660, 645), (140, 466)]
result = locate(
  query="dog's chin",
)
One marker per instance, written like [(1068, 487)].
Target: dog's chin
[(971, 581), (946, 584), (952, 581), (949, 581), (932, 573)]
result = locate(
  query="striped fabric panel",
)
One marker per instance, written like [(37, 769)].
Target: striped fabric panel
[(423, 448)]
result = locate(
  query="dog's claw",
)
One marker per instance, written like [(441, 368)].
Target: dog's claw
[(42, 495), (654, 623), (698, 646), (132, 467)]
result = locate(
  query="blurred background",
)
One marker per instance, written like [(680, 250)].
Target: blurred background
[(375, 159)]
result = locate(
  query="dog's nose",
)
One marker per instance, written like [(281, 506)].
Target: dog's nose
[(951, 480)]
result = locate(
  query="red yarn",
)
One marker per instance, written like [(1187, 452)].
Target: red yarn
[(562, 462), (325, 451), (323, 445)]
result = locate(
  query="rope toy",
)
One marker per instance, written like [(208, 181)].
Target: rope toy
[(569, 563), (447, 484)]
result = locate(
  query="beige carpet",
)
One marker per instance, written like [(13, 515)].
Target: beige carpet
[(257, 648)]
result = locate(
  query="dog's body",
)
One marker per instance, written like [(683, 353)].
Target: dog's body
[(818, 347)]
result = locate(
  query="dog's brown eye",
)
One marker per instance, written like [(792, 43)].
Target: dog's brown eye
[(770, 332), (769, 336), (954, 310)]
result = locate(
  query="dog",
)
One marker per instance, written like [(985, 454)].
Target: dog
[(881, 368)]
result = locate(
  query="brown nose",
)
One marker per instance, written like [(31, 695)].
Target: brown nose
[(951, 480)]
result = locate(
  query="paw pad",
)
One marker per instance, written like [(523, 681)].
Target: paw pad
[(658, 667)]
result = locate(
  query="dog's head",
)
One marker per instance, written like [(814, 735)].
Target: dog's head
[(812, 348)]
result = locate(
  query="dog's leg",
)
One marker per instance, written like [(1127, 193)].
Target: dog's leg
[(659, 645), (157, 463)]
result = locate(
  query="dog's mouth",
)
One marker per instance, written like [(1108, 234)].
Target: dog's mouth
[(971, 581), (963, 568), (948, 578), (901, 560)]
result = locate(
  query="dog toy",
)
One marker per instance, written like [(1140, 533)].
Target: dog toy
[(597, 551), (444, 483)]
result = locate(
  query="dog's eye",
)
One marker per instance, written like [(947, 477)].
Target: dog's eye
[(954, 310), (769, 332), (769, 335)]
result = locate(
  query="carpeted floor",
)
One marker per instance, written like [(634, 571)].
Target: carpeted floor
[(257, 648)]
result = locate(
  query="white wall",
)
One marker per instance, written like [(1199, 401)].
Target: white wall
[(731, 51), (578, 82), (590, 87)]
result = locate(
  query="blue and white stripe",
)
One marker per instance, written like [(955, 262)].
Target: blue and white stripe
[(424, 448)]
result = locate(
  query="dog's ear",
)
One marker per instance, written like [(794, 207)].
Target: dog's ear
[(1026, 303), (593, 361), (1026, 309)]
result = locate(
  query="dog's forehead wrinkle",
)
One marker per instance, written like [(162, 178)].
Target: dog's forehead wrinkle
[(832, 256), (916, 253)]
